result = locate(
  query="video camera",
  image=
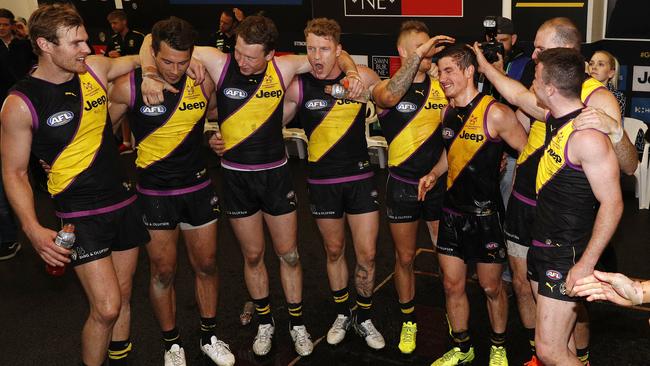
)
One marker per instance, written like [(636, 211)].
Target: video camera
[(491, 48)]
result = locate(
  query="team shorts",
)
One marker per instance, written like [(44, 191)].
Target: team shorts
[(192, 209), (549, 267), (520, 217), (98, 235), (402, 203), (330, 201), (246, 192), (472, 238)]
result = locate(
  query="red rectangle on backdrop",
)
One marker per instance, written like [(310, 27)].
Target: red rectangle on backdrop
[(432, 7)]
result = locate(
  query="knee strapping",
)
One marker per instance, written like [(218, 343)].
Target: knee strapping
[(292, 258)]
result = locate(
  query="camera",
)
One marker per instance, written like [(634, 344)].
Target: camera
[(491, 48)]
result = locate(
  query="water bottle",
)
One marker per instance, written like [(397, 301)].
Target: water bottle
[(340, 91), (65, 239)]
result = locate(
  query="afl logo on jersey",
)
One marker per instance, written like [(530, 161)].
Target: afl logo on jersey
[(234, 93), (152, 111), (447, 133), (60, 118), (316, 104), (406, 107)]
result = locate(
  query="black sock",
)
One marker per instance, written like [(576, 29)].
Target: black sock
[(207, 329), (263, 310), (118, 352), (295, 314), (498, 339), (171, 337), (342, 301), (461, 340), (531, 340), (408, 311), (364, 306), (583, 355)]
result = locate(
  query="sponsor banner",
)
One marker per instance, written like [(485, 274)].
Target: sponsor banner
[(641, 79), (403, 8), (640, 109), (385, 66)]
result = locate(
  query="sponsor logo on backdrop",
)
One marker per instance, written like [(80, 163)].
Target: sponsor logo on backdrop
[(385, 66), (403, 8), (641, 79), (640, 109), (622, 78)]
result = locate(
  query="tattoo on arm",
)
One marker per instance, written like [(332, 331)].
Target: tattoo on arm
[(401, 81), (364, 279)]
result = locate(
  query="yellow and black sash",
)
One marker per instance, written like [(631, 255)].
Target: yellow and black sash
[(80, 152), (160, 143), (420, 128), (469, 140), (256, 110), (554, 158), (332, 128)]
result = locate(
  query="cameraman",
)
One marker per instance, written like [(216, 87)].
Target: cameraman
[(518, 66)]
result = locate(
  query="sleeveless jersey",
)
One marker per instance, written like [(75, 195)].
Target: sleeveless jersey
[(250, 117), (169, 136), (412, 129), (73, 135), (473, 158), (565, 210), (335, 128), (524, 186)]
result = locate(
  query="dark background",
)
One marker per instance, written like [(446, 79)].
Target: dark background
[(375, 36)]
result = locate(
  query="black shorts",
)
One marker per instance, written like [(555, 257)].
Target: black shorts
[(520, 217), (165, 212), (246, 192), (549, 267), (472, 238), (98, 235), (402, 203), (330, 201)]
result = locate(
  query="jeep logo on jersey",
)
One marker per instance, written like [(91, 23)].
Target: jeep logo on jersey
[(59, 119), (553, 275), (406, 107), (472, 136), (234, 93), (90, 104), (154, 110), (315, 104)]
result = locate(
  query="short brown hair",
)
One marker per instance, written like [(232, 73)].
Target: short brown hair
[(257, 29), (564, 68), (324, 27), (48, 19), (117, 15), (462, 55), (411, 26), (566, 33), (176, 32)]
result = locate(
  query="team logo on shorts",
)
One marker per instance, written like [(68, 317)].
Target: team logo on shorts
[(60, 118), (563, 288), (73, 256), (502, 253), (553, 275), (491, 245), (447, 133), (374, 193), (154, 110)]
